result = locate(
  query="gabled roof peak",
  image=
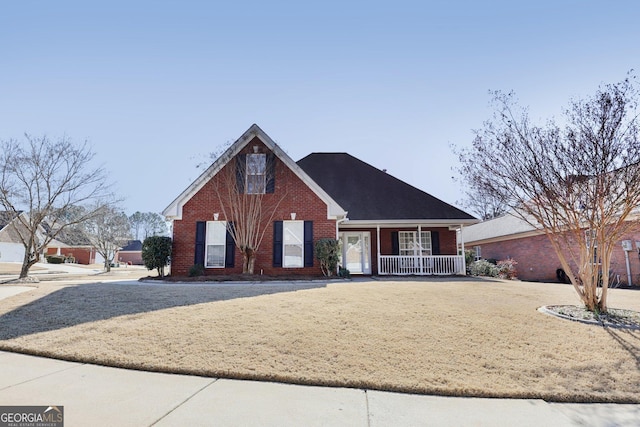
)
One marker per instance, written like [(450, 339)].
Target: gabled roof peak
[(174, 210)]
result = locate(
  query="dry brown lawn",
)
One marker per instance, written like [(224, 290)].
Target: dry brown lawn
[(450, 337)]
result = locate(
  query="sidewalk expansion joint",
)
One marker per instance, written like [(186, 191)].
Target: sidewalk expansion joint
[(183, 402)]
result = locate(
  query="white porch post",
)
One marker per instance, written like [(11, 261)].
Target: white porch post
[(420, 248), (464, 258), (378, 246)]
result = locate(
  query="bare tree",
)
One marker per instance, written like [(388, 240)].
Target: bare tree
[(578, 181), (137, 222), (108, 230), (245, 190), (484, 206), (46, 181), (147, 224)]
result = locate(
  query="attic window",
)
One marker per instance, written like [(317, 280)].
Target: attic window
[(256, 173)]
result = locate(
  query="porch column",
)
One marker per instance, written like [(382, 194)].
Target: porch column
[(420, 249), (378, 246), (464, 258)]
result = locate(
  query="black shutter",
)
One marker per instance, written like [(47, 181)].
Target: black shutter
[(201, 232), (435, 243), (241, 169), (271, 173), (230, 249), (277, 243), (308, 243), (395, 243)]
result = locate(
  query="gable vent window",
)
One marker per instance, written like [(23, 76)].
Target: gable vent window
[(256, 169)]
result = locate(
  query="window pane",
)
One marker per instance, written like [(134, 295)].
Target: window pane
[(425, 236), (256, 173), (293, 256), (256, 164), (293, 247), (215, 255), (406, 243), (256, 184), (216, 243)]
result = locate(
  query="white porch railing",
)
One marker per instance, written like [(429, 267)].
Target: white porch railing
[(421, 265)]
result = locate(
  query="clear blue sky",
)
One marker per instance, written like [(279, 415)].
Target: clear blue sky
[(157, 85)]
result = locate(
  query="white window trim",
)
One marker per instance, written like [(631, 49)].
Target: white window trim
[(415, 249), (477, 253), (223, 244), (285, 236)]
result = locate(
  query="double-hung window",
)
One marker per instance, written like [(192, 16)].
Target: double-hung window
[(293, 243), (410, 245), (216, 244), (256, 173)]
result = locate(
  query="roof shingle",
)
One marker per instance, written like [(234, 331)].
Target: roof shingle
[(368, 193)]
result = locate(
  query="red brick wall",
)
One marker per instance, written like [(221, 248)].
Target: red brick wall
[(537, 260), (130, 257), (82, 255), (298, 198)]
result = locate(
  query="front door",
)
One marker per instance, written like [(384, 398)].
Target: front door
[(356, 251)]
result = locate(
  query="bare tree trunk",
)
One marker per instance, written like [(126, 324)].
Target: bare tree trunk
[(27, 263), (248, 260)]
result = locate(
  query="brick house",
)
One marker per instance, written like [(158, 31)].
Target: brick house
[(510, 237), (131, 253), (385, 225)]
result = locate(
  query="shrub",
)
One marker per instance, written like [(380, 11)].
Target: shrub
[(55, 259), (469, 258), (483, 268), (328, 253), (343, 272), (196, 270), (156, 253), (507, 268)]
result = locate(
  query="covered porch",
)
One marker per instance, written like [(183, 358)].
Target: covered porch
[(403, 247)]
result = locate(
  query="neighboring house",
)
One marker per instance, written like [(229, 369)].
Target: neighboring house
[(131, 253), (510, 237), (11, 248), (75, 246), (385, 225)]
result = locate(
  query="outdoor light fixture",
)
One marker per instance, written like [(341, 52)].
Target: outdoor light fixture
[(216, 216), (293, 216), (255, 149)]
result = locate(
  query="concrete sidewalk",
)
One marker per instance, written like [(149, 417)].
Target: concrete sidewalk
[(100, 396)]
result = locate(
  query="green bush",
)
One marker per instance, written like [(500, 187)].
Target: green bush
[(328, 253), (343, 272), (196, 270), (156, 253), (483, 268), (469, 258), (55, 259)]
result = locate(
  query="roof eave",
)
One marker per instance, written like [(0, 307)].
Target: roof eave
[(408, 222)]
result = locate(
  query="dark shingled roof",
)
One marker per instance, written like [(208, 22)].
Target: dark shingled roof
[(6, 217), (368, 193), (132, 245)]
